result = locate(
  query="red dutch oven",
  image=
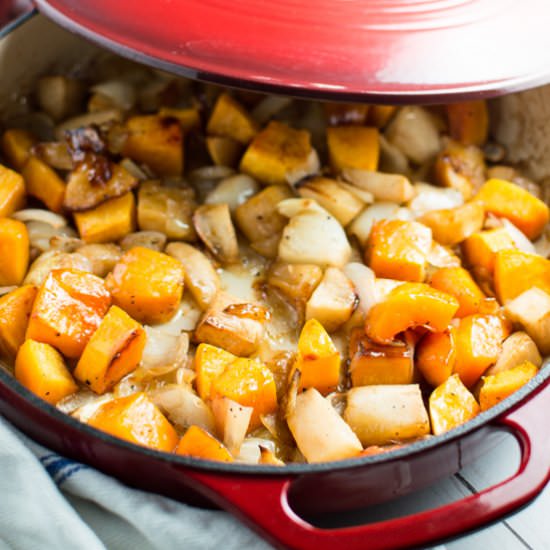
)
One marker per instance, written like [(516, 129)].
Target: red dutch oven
[(274, 500)]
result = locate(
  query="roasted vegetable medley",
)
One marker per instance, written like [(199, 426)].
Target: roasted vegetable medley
[(252, 278)]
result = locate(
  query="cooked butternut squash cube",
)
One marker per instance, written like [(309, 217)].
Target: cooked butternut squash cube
[(113, 351), (83, 194), (14, 251), (67, 310), (136, 419), (451, 226), (16, 146), (353, 147), (497, 387), (12, 191), (198, 443), (508, 200), (147, 285), (223, 151), (333, 300), (410, 305), (397, 249), (377, 364), (320, 432), (44, 184), (451, 404), (15, 310), (166, 209), (518, 348), (469, 122), (531, 309), (380, 115), (41, 369), (458, 282), (380, 415), (250, 383), (436, 355), (318, 360), (210, 362), (516, 272), (157, 142), (478, 343), (189, 119), (230, 119), (109, 221), (219, 327), (278, 153), (480, 249)]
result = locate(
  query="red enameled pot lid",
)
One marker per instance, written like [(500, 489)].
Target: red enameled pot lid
[(377, 50)]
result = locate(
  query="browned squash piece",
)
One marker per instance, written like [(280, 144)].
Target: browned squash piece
[(16, 146), (15, 310), (210, 362), (147, 284), (83, 194), (109, 221), (397, 249), (136, 419), (223, 151), (67, 310), (435, 356), (451, 404), (41, 369), (380, 115), (460, 167), (480, 249), (198, 443), (44, 184), (277, 153), (508, 200), (377, 364), (353, 147), (189, 119), (497, 387), (469, 122), (157, 142), (14, 251), (451, 226), (230, 119), (516, 272), (12, 191), (112, 352)]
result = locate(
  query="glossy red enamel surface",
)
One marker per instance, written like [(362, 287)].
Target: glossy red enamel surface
[(384, 50)]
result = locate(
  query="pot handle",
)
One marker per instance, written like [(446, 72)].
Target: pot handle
[(263, 502)]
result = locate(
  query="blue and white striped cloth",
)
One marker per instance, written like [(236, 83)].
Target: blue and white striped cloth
[(48, 502)]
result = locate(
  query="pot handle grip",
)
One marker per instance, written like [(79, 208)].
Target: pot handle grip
[(262, 502)]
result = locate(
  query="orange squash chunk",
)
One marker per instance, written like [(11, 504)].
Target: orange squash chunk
[(469, 122), (377, 364), (147, 284), (12, 191), (189, 119), (397, 249), (113, 351), (458, 282), (499, 386), (480, 249), (15, 310), (318, 359), (407, 306), (435, 356), (14, 251), (68, 309), (157, 142), (136, 419), (199, 443), (478, 343), (508, 200), (249, 383), (230, 119), (210, 362), (516, 272), (380, 115), (353, 147), (43, 183), (451, 404), (41, 369), (16, 146)]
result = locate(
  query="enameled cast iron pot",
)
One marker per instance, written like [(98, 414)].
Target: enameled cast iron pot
[(272, 500)]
